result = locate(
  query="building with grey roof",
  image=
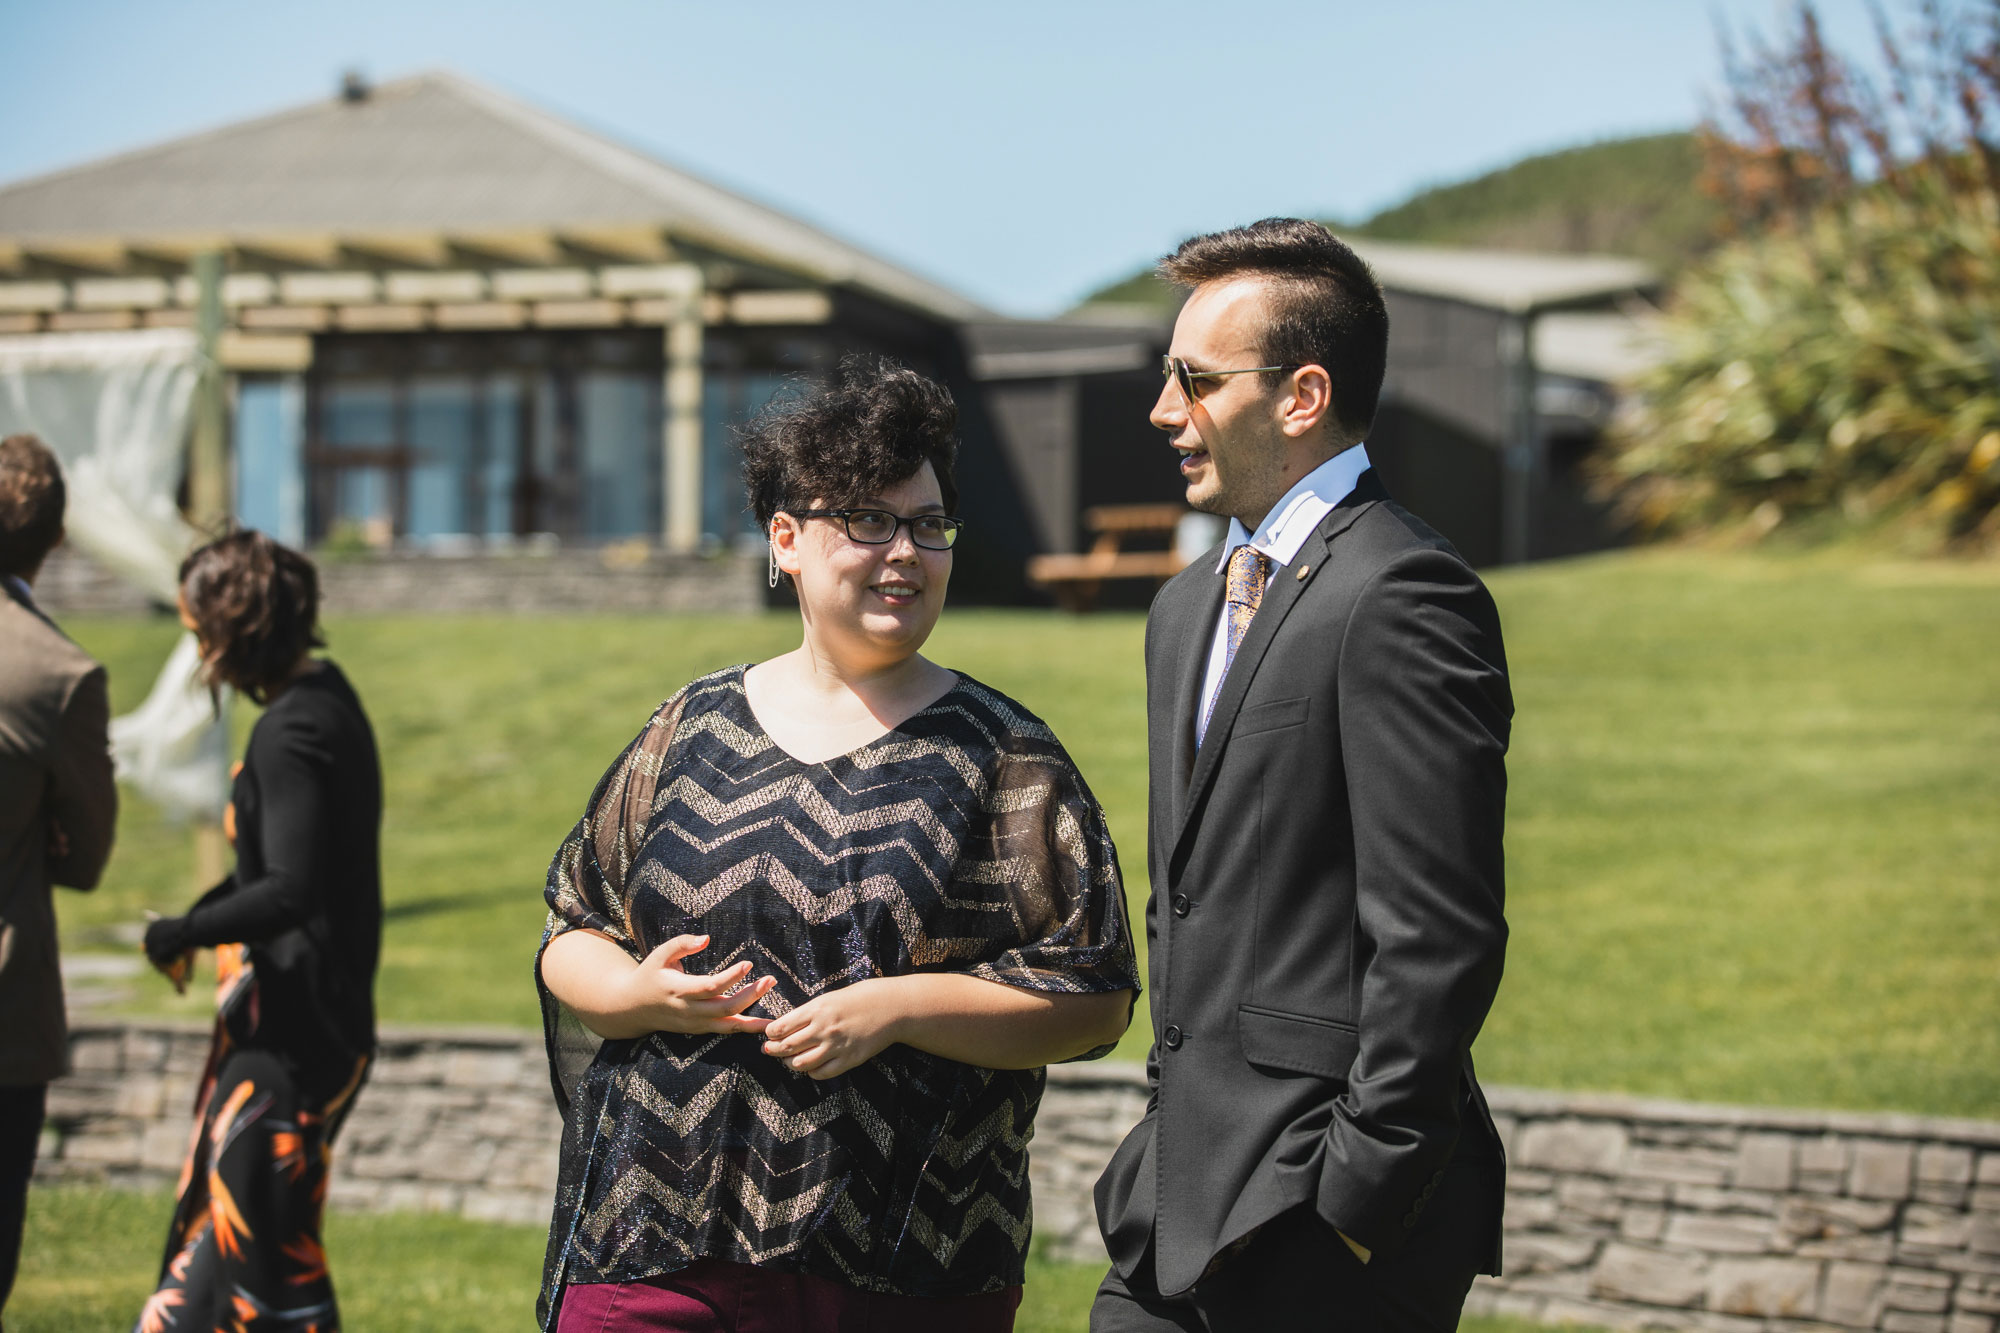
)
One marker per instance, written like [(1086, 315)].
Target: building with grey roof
[(456, 324)]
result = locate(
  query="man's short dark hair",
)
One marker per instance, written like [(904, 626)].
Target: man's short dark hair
[(1326, 307), (32, 499), (872, 425)]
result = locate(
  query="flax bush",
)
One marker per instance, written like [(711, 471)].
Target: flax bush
[(1849, 367), (1838, 364)]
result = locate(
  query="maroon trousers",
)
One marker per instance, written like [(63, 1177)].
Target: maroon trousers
[(714, 1296)]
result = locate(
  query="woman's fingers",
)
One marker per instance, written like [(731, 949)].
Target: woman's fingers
[(749, 995), (807, 1061), (712, 986), (677, 948), (724, 1006), (784, 1042)]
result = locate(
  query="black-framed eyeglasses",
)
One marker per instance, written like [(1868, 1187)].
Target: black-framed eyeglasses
[(1180, 372), (933, 532)]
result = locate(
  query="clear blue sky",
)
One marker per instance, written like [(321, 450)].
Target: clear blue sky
[(1023, 153)]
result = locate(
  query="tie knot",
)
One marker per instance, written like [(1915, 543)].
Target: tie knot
[(1247, 570)]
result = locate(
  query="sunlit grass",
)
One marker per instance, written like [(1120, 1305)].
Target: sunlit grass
[(92, 1256), (1752, 845)]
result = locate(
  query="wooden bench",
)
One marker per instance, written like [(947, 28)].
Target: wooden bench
[(1077, 579)]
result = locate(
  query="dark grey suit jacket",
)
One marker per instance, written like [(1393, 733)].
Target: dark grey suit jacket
[(1325, 919), (55, 772)]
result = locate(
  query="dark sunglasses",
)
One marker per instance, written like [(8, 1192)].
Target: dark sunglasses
[(1177, 369), (933, 532)]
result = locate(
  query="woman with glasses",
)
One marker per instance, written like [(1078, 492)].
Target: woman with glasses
[(820, 927)]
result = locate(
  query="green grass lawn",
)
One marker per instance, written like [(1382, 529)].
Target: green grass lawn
[(91, 1257), (1753, 844)]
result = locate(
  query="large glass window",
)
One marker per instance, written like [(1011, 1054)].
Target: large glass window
[(618, 418), (443, 438), (270, 456), (730, 399), (359, 461), (500, 472)]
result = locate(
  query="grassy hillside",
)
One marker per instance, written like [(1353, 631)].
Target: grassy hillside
[(1623, 196), (1751, 851)]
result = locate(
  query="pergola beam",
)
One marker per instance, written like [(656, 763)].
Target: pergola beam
[(527, 248), (78, 258), (289, 251), (404, 250), (618, 245)]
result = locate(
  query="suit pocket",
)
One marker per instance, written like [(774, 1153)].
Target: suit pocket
[(1297, 1043), (1272, 716)]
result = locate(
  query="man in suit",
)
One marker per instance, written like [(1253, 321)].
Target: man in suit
[(58, 804), (1328, 715)]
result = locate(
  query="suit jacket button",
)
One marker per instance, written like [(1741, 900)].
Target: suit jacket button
[(1181, 904), (1172, 1037)]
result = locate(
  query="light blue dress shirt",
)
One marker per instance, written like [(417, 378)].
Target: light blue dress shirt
[(1281, 534)]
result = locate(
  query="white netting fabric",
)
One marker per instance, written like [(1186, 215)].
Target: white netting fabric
[(115, 407)]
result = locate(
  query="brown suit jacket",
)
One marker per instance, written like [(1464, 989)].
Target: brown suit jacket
[(55, 774)]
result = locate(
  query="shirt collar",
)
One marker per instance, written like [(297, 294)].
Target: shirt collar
[(20, 588), (1298, 514)]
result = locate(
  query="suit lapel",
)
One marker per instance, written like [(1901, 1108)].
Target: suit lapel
[(1280, 596), (1196, 638)]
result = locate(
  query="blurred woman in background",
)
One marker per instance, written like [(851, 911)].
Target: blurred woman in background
[(828, 915), (297, 930)]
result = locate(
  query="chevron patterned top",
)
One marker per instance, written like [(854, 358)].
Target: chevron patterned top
[(962, 840)]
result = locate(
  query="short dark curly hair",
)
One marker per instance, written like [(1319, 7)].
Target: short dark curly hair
[(32, 498), (1326, 307), (255, 606), (872, 424)]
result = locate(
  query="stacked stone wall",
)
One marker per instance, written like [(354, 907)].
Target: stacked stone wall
[(1621, 1212), (1631, 1213), (459, 1120), (613, 579)]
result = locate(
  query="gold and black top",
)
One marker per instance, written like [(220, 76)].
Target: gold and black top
[(963, 840)]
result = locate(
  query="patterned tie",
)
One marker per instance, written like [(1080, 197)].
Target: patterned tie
[(1248, 568)]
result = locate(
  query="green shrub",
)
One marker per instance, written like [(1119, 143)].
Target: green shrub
[(1841, 364), (1849, 368)]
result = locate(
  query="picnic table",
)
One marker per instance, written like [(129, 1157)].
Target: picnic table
[(1077, 579)]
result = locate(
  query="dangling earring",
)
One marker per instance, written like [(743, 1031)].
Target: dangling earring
[(771, 550)]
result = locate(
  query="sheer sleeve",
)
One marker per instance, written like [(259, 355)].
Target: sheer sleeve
[(586, 882), (1046, 866)]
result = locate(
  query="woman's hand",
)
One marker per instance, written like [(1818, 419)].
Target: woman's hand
[(618, 998), (166, 948), (662, 992), (963, 1018), (833, 1032)]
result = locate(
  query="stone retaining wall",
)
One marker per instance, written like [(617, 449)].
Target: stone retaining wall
[(614, 578), (458, 1120), (1621, 1212), (1632, 1213)]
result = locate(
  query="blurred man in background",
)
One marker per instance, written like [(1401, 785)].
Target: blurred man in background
[(58, 804)]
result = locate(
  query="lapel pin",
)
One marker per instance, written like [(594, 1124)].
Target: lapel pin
[(1303, 571)]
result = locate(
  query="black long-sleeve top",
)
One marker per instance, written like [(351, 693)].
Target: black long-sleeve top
[(306, 896)]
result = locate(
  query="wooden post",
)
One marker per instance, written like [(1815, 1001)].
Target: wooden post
[(209, 503), (681, 470), (1520, 455)]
